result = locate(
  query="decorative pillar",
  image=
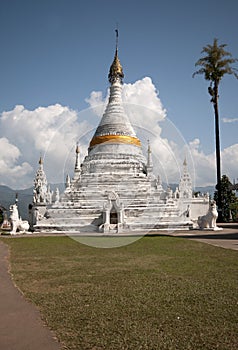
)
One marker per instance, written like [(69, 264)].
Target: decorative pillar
[(77, 168), (149, 161)]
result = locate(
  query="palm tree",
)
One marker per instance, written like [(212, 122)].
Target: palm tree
[(214, 65)]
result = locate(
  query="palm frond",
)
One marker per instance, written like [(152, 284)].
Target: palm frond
[(216, 62)]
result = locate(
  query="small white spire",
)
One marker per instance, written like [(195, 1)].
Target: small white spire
[(77, 160), (40, 184), (149, 156), (41, 162), (185, 185), (149, 161), (67, 182)]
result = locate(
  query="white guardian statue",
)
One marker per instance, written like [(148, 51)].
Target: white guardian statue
[(208, 221), (17, 224)]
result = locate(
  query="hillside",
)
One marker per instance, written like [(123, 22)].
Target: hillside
[(8, 195)]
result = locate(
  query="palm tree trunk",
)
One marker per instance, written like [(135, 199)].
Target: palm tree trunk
[(218, 151)]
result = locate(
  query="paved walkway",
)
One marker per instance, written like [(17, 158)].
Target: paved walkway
[(227, 238), (21, 327)]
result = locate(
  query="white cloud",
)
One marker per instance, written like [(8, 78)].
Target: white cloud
[(144, 93), (51, 131), (95, 98), (230, 162), (11, 169), (204, 165), (38, 127), (230, 120)]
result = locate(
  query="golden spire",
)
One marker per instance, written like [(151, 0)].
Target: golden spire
[(116, 71), (115, 126)]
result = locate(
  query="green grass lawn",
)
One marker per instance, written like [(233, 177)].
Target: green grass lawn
[(157, 293)]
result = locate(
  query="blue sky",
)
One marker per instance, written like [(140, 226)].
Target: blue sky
[(59, 51)]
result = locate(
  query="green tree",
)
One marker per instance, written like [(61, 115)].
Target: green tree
[(229, 201), (234, 211), (1, 216), (216, 63)]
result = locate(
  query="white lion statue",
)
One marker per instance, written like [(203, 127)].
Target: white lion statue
[(208, 221), (17, 224)]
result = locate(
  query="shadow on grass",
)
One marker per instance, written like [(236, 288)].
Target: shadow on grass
[(220, 236), (201, 234)]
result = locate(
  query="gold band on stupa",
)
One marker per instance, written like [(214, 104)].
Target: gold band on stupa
[(97, 140)]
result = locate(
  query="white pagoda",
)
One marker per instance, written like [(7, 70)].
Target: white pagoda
[(114, 189)]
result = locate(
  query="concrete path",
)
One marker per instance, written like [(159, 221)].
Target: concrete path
[(21, 327), (226, 241), (227, 238)]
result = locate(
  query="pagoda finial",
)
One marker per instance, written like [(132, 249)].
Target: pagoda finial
[(77, 160), (148, 149), (41, 160), (77, 148), (185, 161), (116, 72), (117, 35)]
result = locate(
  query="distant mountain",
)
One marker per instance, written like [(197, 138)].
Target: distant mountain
[(8, 197), (206, 189)]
